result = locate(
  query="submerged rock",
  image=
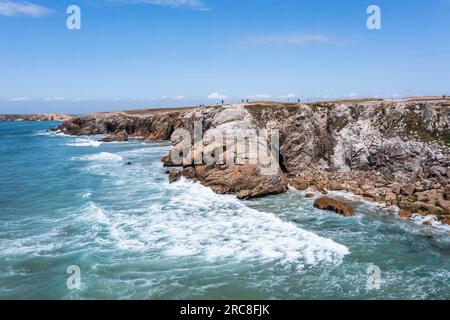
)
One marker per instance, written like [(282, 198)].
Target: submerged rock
[(174, 176), (330, 204)]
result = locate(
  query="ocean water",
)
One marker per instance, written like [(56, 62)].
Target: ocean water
[(72, 201)]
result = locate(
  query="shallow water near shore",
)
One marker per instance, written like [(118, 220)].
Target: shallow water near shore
[(68, 201)]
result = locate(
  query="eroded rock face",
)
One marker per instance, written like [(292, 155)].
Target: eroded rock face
[(119, 137), (388, 152), (334, 205), (149, 126), (248, 171), (402, 140), (246, 181), (395, 153)]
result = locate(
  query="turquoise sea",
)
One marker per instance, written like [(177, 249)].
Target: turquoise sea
[(72, 201)]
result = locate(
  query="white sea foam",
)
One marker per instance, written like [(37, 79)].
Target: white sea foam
[(186, 219), (94, 213), (81, 142), (198, 223), (102, 156), (86, 195), (51, 133)]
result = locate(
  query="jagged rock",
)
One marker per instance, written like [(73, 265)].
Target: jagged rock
[(369, 195), (336, 186), (299, 184), (438, 171), (390, 197), (426, 209), (408, 189), (34, 117), (380, 184), (119, 137), (429, 196), (174, 176), (356, 191), (395, 188), (320, 189), (444, 204), (330, 204), (325, 142), (405, 214), (167, 161), (309, 195), (245, 181), (447, 193)]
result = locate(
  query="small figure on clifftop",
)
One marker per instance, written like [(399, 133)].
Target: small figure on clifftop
[(222, 102), (444, 96)]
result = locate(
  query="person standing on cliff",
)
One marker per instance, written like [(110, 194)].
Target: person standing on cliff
[(444, 96)]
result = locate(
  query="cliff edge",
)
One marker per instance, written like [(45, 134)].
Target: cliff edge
[(392, 152)]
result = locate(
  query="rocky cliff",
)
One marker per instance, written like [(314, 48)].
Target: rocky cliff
[(390, 152)]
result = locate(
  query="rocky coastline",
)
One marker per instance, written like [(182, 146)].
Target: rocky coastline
[(34, 117), (395, 153)]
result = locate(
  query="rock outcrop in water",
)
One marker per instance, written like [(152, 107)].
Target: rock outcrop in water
[(330, 204), (118, 137), (395, 153), (34, 117)]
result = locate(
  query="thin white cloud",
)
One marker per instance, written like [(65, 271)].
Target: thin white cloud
[(259, 96), (353, 95), (190, 4), (217, 96), (289, 96), (19, 99), (55, 99), (294, 40), (173, 98), (23, 8)]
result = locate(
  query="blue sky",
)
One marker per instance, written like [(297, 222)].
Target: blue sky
[(148, 53)]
